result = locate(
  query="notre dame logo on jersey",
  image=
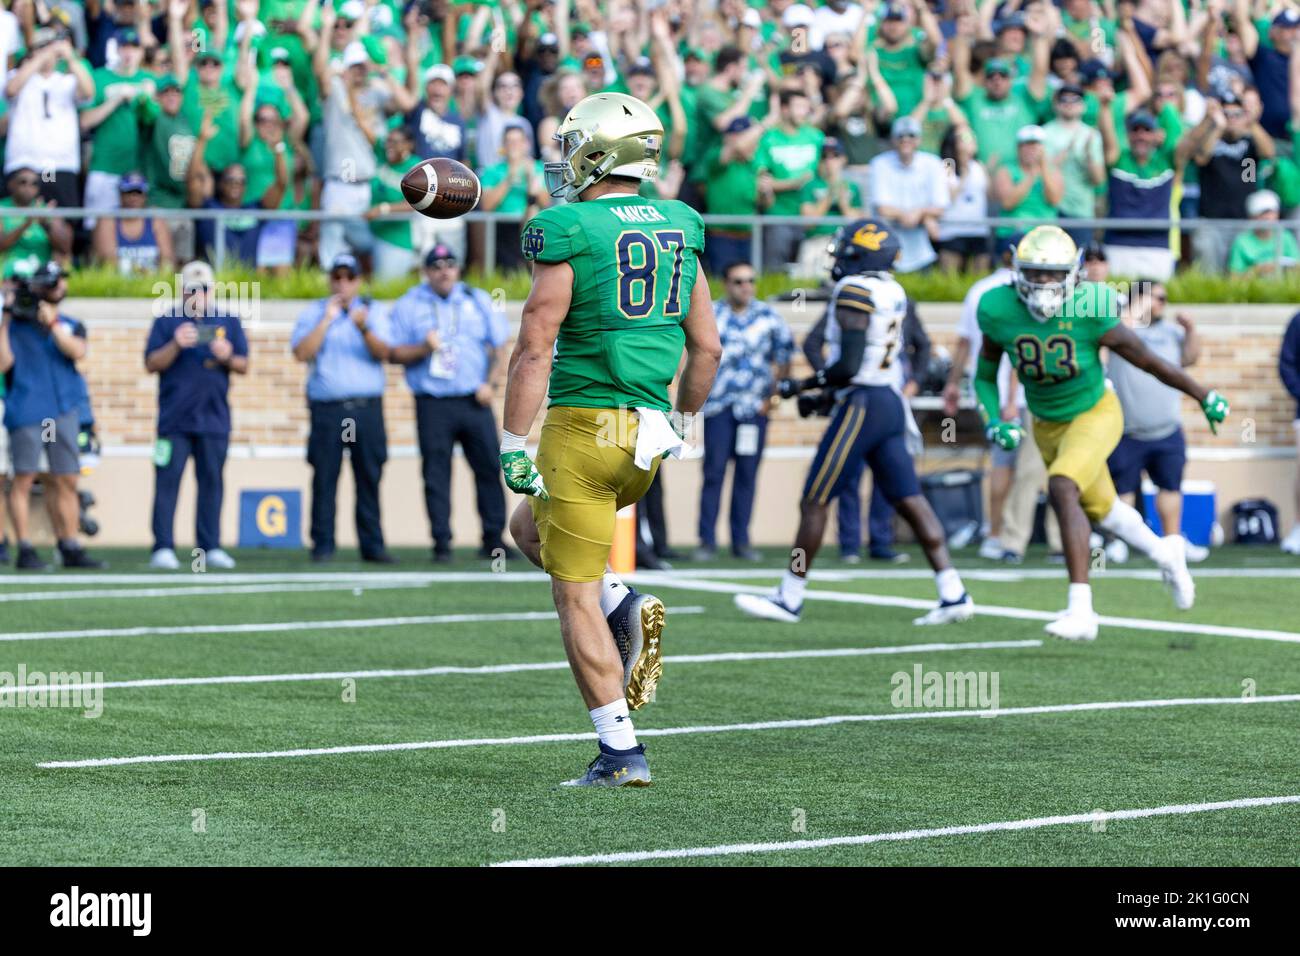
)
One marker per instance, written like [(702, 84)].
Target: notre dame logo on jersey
[(533, 241)]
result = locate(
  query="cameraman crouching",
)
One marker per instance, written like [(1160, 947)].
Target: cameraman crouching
[(39, 349)]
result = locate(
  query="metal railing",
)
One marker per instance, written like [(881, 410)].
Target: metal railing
[(751, 222)]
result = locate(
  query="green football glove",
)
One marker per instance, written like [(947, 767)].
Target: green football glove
[(1215, 407), (522, 476), (1006, 435)]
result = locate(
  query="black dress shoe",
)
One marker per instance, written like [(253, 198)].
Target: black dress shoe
[(668, 554), (321, 557), (441, 556), (379, 557), (29, 560), (78, 558)]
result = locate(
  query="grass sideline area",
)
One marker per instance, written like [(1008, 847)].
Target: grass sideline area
[(1192, 286), (480, 803)]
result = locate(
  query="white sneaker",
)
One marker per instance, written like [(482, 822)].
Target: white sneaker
[(1117, 551), (768, 607), (218, 559), (962, 609), (1174, 573), (1073, 627), (1291, 543), (164, 559), (991, 549), (1195, 553)]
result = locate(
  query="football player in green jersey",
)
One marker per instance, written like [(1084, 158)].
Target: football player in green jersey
[(1053, 329), (615, 299)]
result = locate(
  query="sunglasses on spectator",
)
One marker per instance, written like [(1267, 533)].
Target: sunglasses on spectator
[(338, 275), (501, 84), (1069, 98), (742, 280), (268, 118), (443, 264), (234, 180)]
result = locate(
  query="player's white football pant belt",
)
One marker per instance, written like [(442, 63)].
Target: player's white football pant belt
[(1174, 573), (1073, 627)]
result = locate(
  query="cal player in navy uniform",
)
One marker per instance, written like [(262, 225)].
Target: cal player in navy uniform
[(864, 330)]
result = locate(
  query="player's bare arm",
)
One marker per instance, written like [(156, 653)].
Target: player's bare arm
[(1124, 342)]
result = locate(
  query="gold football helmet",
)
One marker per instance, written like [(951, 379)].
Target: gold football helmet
[(607, 134), (1047, 265)]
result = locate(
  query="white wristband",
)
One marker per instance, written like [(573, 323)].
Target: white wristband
[(511, 442)]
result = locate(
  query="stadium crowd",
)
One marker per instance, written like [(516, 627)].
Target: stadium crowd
[(936, 115)]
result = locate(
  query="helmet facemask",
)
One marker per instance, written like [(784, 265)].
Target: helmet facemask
[(1046, 264)]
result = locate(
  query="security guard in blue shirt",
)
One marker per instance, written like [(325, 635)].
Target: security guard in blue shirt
[(344, 341), (450, 336), (194, 349)]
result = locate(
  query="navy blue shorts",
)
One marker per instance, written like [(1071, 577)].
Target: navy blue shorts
[(869, 423), (1163, 460)]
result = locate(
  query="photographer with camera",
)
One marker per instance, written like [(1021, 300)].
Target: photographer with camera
[(193, 348), (39, 349)]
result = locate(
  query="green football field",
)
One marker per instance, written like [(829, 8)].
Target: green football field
[(298, 714)]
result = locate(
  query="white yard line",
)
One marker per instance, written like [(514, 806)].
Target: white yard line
[(676, 731), (724, 657), (269, 627), (900, 836), (269, 577), (655, 579), (204, 590)]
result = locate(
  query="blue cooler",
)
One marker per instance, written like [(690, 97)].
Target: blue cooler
[(1198, 510)]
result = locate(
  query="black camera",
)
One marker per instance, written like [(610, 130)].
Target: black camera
[(30, 291), (816, 403)]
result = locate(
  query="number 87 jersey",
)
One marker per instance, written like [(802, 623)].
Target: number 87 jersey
[(1058, 359), (635, 264)]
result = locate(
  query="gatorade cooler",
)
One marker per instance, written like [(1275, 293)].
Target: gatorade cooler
[(1198, 510)]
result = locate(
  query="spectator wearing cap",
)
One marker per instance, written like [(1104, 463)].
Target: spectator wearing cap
[(837, 16), (901, 53), (114, 118), (1140, 187), (963, 242), (829, 193), (1096, 268), (100, 34), (1074, 149), (756, 350), (343, 338), (516, 186), (1227, 147), (1009, 35), (731, 189), (728, 95), (436, 128), (240, 235), (786, 160), (909, 190), (209, 88), (450, 338), (355, 108), (24, 238), (133, 245), (1030, 188), (38, 357), (1098, 82), (802, 53), (999, 108), (394, 254), (1263, 251), (167, 143), (538, 57), (1269, 59), (44, 133), (193, 349)]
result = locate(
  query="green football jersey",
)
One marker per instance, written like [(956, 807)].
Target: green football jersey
[(1057, 360), (634, 266)]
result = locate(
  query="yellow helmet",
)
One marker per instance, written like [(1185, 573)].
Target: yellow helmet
[(1046, 263), (607, 134)]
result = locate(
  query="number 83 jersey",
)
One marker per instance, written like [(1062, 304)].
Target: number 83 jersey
[(1058, 359), (877, 304), (635, 265)]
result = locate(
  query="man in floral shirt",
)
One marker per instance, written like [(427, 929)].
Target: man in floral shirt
[(755, 343)]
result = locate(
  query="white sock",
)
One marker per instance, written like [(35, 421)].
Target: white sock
[(1124, 521), (1080, 599), (614, 726), (791, 590), (612, 592), (948, 581)]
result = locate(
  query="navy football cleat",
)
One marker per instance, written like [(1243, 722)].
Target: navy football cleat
[(615, 768), (637, 625)]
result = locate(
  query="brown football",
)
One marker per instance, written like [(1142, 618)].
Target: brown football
[(441, 188)]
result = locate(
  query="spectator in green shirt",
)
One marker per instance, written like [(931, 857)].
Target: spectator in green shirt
[(828, 194), (1255, 252), (394, 250), (515, 187), (787, 161), (728, 95), (902, 51), (167, 142), (114, 117), (731, 188), (25, 237), (1031, 187)]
